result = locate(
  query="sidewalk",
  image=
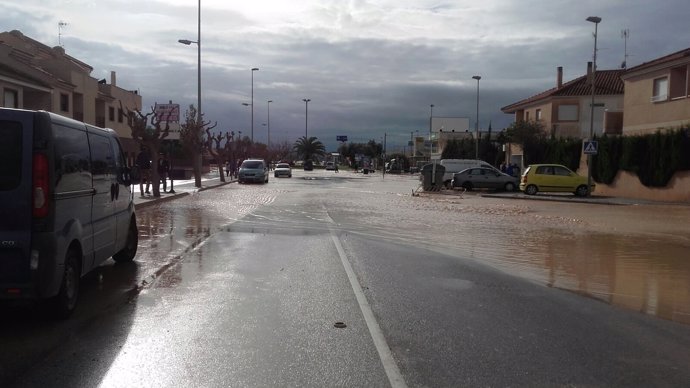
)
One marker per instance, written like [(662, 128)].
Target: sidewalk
[(181, 188), (570, 198)]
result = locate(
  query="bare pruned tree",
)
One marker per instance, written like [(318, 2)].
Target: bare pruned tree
[(149, 136), (220, 147), (192, 137)]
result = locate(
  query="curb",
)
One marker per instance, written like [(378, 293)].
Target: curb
[(154, 200)]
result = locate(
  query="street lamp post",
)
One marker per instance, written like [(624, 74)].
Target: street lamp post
[(198, 102), (252, 104), (431, 144), (306, 115), (268, 104), (252, 124), (596, 20), (476, 125)]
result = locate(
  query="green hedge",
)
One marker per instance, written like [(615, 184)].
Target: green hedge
[(655, 158), (562, 151)]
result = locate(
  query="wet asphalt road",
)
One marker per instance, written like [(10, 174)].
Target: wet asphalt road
[(245, 285)]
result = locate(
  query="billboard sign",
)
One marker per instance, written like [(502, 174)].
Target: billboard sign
[(168, 112), (341, 138)]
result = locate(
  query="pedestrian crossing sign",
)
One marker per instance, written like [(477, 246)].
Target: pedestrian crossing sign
[(590, 147)]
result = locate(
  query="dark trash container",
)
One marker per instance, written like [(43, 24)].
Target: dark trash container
[(432, 177), (366, 170)]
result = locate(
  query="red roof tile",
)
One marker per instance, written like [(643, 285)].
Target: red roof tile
[(608, 82)]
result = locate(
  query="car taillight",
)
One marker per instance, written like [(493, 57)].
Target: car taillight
[(524, 179), (40, 185)]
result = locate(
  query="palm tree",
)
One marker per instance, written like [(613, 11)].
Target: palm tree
[(307, 148)]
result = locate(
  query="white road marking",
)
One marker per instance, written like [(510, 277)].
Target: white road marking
[(392, 371)]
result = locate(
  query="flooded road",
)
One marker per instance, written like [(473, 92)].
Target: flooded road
[(631, 256), (636, 256)]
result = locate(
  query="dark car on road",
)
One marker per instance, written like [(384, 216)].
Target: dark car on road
[(484, 178)]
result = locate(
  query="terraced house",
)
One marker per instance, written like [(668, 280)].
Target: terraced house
[(38, 77)]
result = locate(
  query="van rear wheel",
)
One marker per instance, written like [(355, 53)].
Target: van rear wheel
[(64, 303), (130, 250)]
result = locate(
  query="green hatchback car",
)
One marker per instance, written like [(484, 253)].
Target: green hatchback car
[(553, 178)]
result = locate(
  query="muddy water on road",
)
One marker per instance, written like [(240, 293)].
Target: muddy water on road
[(636, 257)]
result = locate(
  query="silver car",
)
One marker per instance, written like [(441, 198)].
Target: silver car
[(253, 170), (484, 178)]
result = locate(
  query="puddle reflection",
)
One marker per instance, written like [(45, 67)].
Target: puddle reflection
[(643, 274)]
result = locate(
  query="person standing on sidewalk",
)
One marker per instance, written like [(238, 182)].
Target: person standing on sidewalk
[(164, 170), (144, 165)]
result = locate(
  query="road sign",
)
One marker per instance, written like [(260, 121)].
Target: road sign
[(591, 147), (341, 138)]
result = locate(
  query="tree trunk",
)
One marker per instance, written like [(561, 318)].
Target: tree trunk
[(197, 170)]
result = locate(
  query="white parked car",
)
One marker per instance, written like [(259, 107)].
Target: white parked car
[(282, 169)]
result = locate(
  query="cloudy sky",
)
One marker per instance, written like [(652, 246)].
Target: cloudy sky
[(369, 66)]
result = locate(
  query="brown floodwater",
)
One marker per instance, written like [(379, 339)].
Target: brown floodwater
[(632, 256)]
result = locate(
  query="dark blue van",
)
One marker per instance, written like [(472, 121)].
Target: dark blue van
[(65, 205)]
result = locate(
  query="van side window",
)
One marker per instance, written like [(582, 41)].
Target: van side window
[(72, 167), (10, 154), (102, 159)]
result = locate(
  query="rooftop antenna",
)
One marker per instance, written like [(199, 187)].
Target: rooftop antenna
[(625, 34), (61, 24)]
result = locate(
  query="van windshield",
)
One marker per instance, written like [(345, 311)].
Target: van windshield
[(10, 155)]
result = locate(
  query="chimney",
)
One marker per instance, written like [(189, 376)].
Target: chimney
[(559, 77), (589, 71), (113, 78)]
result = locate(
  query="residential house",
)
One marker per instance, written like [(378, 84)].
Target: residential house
[(657, 97), (37, 77), (657, 94), (566, 109)]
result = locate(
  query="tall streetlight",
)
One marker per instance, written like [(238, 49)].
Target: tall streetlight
[(198, 102), (252, 104), (431, 144), (476, 125), (306, 115), (268, 105), (252, 124), (596, 20)]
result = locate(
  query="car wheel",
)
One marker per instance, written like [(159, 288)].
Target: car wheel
[(65, 301), (582, 191), (509, 186), (467, 186), (130, 250), (531, 190)]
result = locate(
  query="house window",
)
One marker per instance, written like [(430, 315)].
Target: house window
[(679, 82), (111, 113), (527, 116), (120, 114), (660, 92), (567, 113), (538, 114), (64, 102), (11, 99)]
